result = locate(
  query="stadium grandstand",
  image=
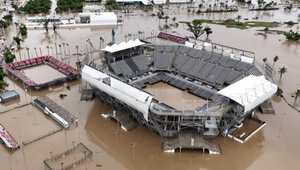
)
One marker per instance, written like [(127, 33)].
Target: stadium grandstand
[(232, 88)]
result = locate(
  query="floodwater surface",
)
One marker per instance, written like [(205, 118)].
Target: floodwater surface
[(42, 73), (176, 98)]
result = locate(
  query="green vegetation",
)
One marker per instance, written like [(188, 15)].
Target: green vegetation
[(23, 30), (6, 21), (282, 71), (68, 87), (279, 92), (66, 5), (195, 27), (3, 84), (62, 95), (291, 35), (111, 5), (36, 6), (296, 95), (8, 56), (208, 31), (230, 23), (18, 41), (14, 6)]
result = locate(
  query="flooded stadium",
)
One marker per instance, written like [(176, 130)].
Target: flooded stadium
[(114, 148)]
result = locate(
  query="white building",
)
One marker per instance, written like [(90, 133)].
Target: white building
[(134, 2), (179, 1), (159, 1), (103, 18)]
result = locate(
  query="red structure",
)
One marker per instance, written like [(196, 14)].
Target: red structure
[(15, 67), (7, 139), (171, 37)]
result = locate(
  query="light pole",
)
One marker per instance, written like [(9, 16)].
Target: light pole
[(55, 49), (41, 51), (68, 49), (47, 49), (28, 52), (64, 48), (35, 52)]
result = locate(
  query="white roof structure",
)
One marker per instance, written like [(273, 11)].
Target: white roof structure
[(103, 18), (250, 92), (145, 2), (130, 95), (159, 1), (179, 1), (123, 46)]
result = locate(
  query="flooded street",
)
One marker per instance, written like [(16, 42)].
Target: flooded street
[(276, 146)]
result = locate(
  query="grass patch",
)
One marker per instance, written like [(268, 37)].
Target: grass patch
[(240, 25)]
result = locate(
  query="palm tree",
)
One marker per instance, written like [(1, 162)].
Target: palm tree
[(282, 71), (208, 31), (238, 18), (174, 19), (265, 60), (279, 92), (275, 59), (296, 95)]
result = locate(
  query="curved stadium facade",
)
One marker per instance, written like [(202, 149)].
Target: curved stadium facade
[(232, 88)]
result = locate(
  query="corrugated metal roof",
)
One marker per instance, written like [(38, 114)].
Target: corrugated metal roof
[(123, 46), (250, 91)]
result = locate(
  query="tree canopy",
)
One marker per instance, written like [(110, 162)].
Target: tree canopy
[(3, 84), (23, 30), (66, 5), (111, 5), (291, 35), (8, 56), (37, 6), (195, 27), (6, 21)]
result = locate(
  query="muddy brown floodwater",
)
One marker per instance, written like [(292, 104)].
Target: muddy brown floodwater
[(176, 98), (35, 72), (276, 146)]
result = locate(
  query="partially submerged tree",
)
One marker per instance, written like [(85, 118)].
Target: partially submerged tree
[(8, 18), (238, 18), (208, 31), (8, 56), (46, 24), (23, 30), (279, 92), (55, 24), (3, 84), (275, 59), (195, 27), (111, 5), (291, 35), (282, 71), (265, 60), (18, 41), (296, 95)]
